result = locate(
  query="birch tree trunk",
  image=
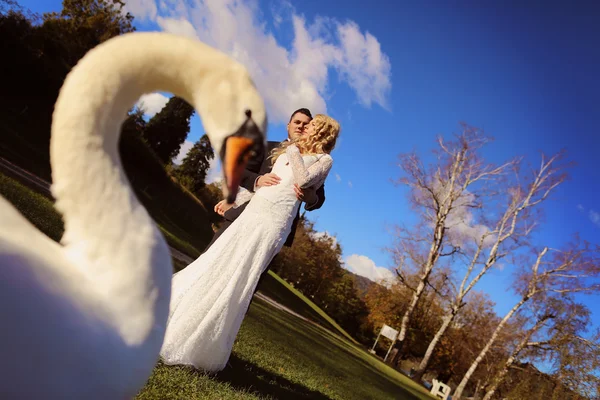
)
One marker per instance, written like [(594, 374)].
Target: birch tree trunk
[(502, 374), (432, 257), (499, 378), (425, 361), (574, 270), (533, 193), (463, 383)]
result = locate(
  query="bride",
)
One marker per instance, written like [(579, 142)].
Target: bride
[(209, 298)]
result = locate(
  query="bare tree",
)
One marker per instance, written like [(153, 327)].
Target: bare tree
[(558, 322), (554, 272), (509, 233), (577, 365), (466, 337), (435, 192)]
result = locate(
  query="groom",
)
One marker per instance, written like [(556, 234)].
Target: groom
[(258, 174)]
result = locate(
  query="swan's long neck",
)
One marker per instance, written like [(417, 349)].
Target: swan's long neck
[(109, 236)]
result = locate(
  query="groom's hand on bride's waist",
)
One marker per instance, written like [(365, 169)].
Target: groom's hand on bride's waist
[(269, 179)]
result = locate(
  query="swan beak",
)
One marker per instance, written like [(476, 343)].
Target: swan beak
[(238, 150)]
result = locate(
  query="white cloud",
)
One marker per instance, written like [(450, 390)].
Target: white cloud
[(594, 217), (279, 10), (338, 177), (214, 172), (185, 148), (350, 185), (288, 78), (366, 68), (141, 9), (152, 103), (461, 224), (364, 266), (180, 27)]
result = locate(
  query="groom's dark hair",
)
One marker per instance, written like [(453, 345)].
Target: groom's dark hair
[(304, 111)]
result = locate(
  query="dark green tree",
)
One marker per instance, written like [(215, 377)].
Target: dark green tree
[(134, 124), (84, 24), (192, 171), (42, 50), (167, 130)]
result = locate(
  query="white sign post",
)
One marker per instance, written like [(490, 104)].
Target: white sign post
[(388, 332), (440, 390)]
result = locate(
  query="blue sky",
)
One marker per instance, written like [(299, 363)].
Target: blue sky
[(526, 73)]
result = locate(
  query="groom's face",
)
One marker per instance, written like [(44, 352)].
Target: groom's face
[(297, 125)]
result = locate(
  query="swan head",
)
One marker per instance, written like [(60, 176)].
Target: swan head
[(234, 117), (247, 142)]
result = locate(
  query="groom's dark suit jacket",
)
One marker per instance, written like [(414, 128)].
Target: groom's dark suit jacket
[(261, 165)]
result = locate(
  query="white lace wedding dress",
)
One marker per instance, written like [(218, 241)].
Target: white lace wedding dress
[(210, 297)]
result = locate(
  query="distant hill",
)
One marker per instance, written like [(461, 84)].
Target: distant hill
[(362, 284)]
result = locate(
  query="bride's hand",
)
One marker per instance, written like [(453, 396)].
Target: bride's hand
[(222, 207), (308, 195)]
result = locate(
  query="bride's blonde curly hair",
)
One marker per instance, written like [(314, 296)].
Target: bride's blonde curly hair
[(321, 141)]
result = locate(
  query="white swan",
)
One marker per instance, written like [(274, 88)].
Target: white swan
[(86, 319)]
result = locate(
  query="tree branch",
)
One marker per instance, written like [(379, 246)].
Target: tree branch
[(455, 249), (403, 280)]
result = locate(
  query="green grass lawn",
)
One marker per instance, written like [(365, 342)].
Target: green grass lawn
[(283, 293), (40, 210), (37, 208), (183, 219), (276, 355), (279, 356)]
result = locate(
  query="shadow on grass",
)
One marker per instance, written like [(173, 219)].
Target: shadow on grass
[(318, 349), (270, 287), (249, 377)]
